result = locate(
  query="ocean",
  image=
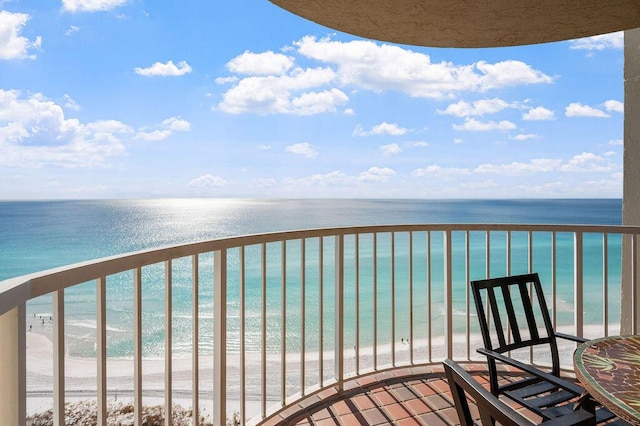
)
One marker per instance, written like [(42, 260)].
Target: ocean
[(38, 235)]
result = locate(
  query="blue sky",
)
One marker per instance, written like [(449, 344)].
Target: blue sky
[(140, 99)]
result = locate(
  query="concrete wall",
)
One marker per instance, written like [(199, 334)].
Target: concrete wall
[(631, 164)]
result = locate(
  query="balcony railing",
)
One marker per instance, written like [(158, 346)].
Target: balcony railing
[(275, 317)]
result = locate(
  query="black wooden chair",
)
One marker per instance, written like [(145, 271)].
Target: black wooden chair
[(519, 302), (491, 409)]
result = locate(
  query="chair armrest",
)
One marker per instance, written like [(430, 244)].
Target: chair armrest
[(570, 337), (557, 381)]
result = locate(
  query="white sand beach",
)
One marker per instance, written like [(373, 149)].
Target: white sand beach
[(80, 373)]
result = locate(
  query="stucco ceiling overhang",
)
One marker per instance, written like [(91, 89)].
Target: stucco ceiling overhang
[(469, 23)]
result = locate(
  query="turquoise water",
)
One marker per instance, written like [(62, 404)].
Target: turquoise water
[(41, 235)]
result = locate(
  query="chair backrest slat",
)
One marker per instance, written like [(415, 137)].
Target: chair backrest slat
[(528, 310), (513, 321), (496, 316)]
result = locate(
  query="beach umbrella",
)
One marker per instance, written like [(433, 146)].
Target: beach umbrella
[(464, 23)]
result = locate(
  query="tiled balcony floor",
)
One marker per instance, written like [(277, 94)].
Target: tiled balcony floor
[(405, 396)]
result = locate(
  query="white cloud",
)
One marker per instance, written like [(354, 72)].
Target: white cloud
[(266, 63), (576, 109), (458, 141), (164, 70), (391, 149), (377, 174), (12, 44), (616, 142), (311, 103), (34, 132), (586, 162), (304, 148), (207, 181), (610, 153), (479, 108), (509, 73), (226, 80), (487, 184), (419, 144), (473, 125), (108, 126), (383, 128), (599, 42), (379, 67), (177, 123), (538, 114), (264, 182), (616, 106), (349, 111), (524, 137), (164, 130), (537, 165), (332, 179), (72, 30), (286, 94), (272, 83), (90, 5), (154, 135), (69, 103), (441, 172)]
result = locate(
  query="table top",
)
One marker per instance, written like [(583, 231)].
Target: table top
[(609, 369)]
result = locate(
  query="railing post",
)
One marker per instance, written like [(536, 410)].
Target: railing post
[(58, 358), (101, 350), (13, 368), (168, 345), (448, 295), (220, 337), (137, 346), (339, 321), (578, 284), (195, 341)]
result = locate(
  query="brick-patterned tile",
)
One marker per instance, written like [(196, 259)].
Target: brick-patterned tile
[(376, 417), (437, 402), (433, 419), (404, 393), (363, 402), (450, 414), (322, 414), (367, 380), (440, 386), (385, 398), (326, 422), (419, 406), (351, 419), (424, 389), (397, 411), (409, 421), (341, 408)]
